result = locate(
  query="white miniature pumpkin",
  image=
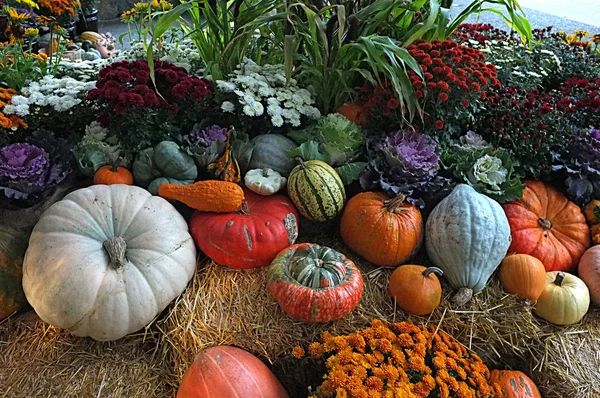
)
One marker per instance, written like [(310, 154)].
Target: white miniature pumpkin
[(565, 299), (105, 260), (264, 182), (467, 236)]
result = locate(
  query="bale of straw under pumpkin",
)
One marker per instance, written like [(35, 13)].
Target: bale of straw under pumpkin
[(226, 306), (38, 360)]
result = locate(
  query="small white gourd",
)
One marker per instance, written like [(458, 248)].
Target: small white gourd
[(265, 181)]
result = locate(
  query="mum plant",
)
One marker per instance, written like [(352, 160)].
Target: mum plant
[(399, 360)]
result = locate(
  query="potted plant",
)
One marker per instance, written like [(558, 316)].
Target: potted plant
[(88, 19)]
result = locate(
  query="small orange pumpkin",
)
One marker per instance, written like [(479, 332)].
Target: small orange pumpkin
[(416, 289), (592, 212), (355, 113), (383, 231), (523, 275), (514, 384), (596, 234), (115, 174)]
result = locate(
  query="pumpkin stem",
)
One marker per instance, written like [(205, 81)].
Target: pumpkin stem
[(116, 164), (302, 164), (265, 172), (116, 247), (544, 223), (433, 270), (463, 296), (395, 205), (560, 279), (244, 209), (527, 302)]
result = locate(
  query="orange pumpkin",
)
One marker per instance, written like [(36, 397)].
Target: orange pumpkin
[(523, 275), (355, 113), (383, 231), (592, 212), (229, 372), (589, 272), (115, 174), (416, 289), (546, 225), (514, 384)]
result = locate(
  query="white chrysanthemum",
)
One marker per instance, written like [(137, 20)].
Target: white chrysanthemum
[(259, 109), (19, 100), (277, 120), (274, 110), (289, 104), (287, 113), (22, 110), (297, 99), (273, 101), (248, 110), (239, 92), (225, 86), (9, 109), (295, 122), (227, 106)]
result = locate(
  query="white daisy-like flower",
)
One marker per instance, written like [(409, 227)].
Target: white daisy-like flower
[(274, 110), (22, 109), (287, 113), (227, 106), (295, 122), (277, 120), (248, 110), (225, 86), (19, 100), (259, 109), (273, 101), (9, 109)]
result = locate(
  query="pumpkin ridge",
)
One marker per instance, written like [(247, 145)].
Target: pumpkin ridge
[(315, 193), (223, 375), (331, 194), (335, 178), (245, 371), (294, 182)]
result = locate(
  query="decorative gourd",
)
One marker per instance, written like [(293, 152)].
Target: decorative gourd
[(91, 36), (355, 113), (212, 195), (270, 152), (384, 231), (229, 372), (589, 272), (226, 168), (12, 250), (467, 237), (314, 283), (264, 181), (166, 159), (416, 289), (105, 260), (514, 384), (524, 276), (115, 174), (547, 226), (316, 190), (592, 212), (565, 299), (251, 237), (596, 234)]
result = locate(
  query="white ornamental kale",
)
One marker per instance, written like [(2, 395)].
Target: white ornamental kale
[(61, 94), (262, 91), (489, 170)]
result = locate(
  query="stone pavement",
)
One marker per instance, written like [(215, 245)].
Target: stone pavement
[(584, 11)]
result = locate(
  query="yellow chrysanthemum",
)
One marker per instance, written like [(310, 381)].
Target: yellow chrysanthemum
[(141, 7), (15, 16), (581, 33), (28, 3), (31, 32), (596, 38)]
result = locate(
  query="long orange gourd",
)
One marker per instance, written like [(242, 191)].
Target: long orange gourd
[(212, 195)]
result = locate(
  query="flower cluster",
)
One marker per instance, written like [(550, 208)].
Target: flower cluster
[(399, 360), (60, 94), (11, 122), (140, 9), (60, 7), (126, 85), (405, 162), (84, 71), (263, 91), (581, 101)]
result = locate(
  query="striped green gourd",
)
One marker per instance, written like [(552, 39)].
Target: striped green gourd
[(13, 245), (317, 190)]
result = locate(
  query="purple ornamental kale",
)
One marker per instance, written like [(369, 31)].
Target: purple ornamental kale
[(411, 154), (208, 135), (24, 162)]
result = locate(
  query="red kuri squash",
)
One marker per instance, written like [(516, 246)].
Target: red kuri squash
[(589, 272), (229, 372), (383, 231), (546, 225), (13, 245), (314, 283), (514, 384), (251, 237)]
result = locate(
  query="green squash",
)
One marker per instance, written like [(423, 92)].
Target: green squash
[(270, 152), (165, 163), (13, 245)]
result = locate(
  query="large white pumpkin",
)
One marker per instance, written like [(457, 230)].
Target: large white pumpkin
[(467, 236), (105, 260)]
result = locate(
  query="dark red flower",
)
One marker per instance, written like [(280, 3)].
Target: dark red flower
[(444, 96), (393, 103), (439, 124), (466, 103)]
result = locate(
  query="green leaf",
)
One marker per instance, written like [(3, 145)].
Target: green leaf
[(350, 172), (308, 151)]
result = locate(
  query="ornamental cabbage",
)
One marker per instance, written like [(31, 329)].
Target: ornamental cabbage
[(27, 169), (406, 162), (489, 170)]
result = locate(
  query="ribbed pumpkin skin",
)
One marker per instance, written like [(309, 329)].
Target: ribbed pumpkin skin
[(592, 212), (565, 304), (523, 275), (545, 225), (467, 236), (270, 151), (108, 176), (379, 235), (589, 272), (316, 190), (293, 273), (249, 240), (13, 245), (514, 384), (415, 292), (229, 372)]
